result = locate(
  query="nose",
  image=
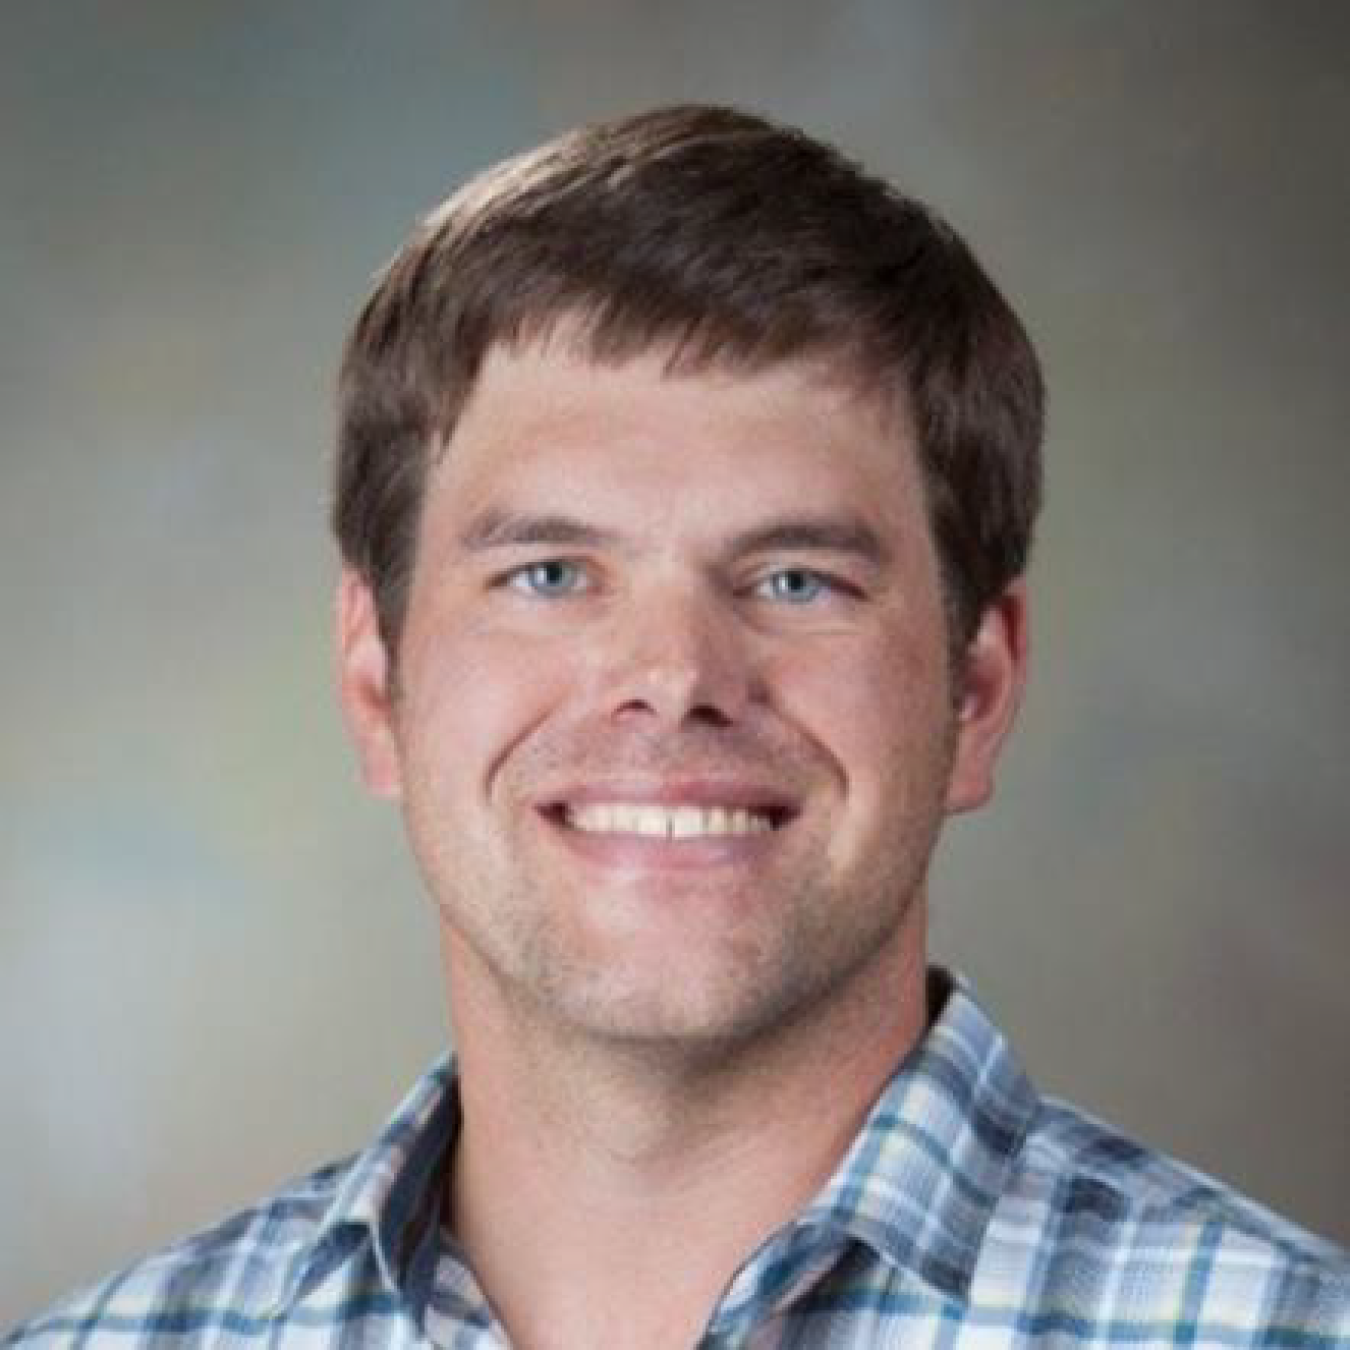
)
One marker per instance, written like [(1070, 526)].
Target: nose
[(677, 657)]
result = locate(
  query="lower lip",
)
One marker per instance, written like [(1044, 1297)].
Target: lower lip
[(648, 853)]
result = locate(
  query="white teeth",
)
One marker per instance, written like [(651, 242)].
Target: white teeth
[(665, 822)]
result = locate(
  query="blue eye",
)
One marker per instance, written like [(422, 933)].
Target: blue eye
[(794, 585), (548, 579)]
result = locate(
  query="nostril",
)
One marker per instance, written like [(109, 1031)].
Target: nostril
[(699, 714), (709, 715)]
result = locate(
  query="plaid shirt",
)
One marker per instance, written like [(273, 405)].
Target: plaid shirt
[(969, 1212)]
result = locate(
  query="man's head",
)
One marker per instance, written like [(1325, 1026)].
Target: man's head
[(678, 461), (732, 244)]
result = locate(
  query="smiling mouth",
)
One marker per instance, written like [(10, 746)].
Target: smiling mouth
[(630, 838), (667, 821), (656, 821)]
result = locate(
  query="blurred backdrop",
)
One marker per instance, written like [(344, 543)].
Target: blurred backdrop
[(216, 967)]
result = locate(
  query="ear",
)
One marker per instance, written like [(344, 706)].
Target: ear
[(364, 686), (992, 681)]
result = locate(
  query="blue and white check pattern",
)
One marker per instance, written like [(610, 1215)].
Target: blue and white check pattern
[(969, 1212)]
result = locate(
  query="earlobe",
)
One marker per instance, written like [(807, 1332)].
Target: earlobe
[(994, 677), (364, 686)]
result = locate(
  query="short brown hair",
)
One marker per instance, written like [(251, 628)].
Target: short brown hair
[(734, 242)]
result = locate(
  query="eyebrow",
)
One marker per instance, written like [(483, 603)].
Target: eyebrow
[(497, 528), (815, 534)]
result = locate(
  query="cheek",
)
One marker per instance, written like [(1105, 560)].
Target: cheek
[(874, 707), (468, 701)]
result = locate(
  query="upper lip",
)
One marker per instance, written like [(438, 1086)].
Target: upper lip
[(702, 791)]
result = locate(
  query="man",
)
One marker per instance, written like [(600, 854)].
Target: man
[(686, 485)]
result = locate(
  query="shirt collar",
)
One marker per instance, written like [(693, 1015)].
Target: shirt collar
[(390, 1196), (920, 1182), (917, 1186)]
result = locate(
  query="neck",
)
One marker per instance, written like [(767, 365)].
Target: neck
[(590, 1175)]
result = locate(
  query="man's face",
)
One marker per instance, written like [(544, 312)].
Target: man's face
[(673, 726)]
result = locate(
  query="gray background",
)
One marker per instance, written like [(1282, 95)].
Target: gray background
[(216, 968)]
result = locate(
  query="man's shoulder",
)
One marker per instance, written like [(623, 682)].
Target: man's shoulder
[(318, 1253), (1124, 1227), (227, 1278), (1085, 1166)]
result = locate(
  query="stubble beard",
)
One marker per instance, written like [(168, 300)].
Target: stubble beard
[(822, 937), (828, 943)]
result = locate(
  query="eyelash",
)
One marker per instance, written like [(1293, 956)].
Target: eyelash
[(523, 578)]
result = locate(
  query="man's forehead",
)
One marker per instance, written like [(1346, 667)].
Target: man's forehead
[(561, 450), (561, 374)]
